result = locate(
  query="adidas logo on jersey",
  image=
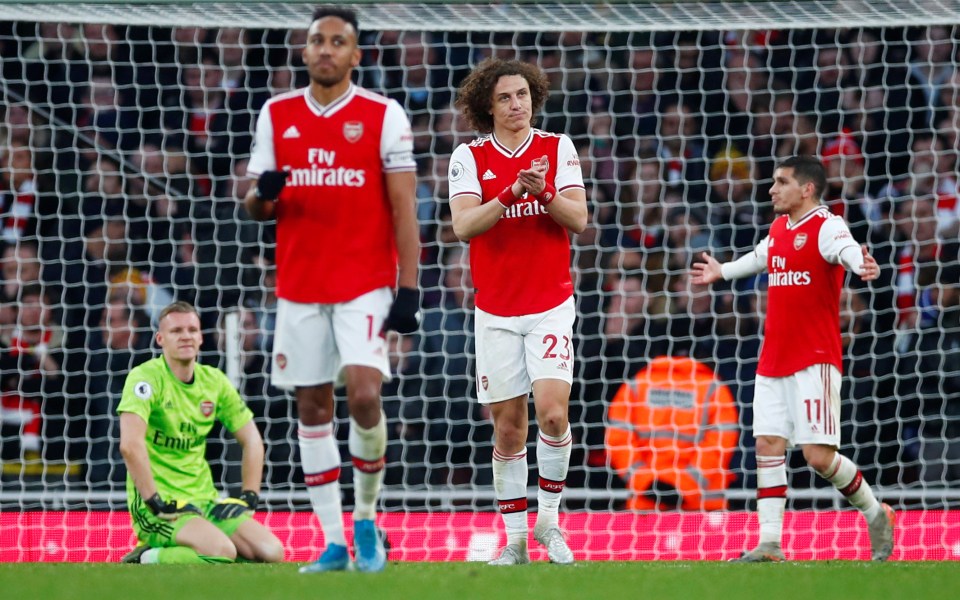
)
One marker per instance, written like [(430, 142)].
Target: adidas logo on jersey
[(489, 175), (291, 132)]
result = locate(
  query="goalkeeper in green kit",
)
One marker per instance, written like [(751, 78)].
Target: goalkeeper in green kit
[(168, 407)]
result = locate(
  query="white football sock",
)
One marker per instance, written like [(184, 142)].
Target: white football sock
[(846, 477), (553, 460), (367, 447), (771, 497), (510, 483), (320, 459)]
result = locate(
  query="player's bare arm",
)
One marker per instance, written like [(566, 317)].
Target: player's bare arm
[(133, 448), (706, 272), (251, 466), (471, 217), (402, 192), (570, 209)]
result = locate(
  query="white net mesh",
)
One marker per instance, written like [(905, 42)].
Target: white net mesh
[(124, 127)]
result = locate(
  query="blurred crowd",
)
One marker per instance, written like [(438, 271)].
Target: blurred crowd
[(123, 153)]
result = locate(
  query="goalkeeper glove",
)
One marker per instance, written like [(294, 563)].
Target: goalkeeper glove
[(170, 510), (230, 508), (404, 316), (270, 184)]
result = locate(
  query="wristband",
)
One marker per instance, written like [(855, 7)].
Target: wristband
[(547, 195), (506, 197), (155, 503), (251, 498)]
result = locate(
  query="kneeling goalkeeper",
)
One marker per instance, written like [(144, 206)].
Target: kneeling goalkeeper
[(168, 407)]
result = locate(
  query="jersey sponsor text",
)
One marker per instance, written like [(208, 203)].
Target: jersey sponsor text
[(789, 278)]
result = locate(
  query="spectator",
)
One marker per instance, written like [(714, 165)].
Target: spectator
[(931, 66), (32, 380), (271, 408), (448, 411), (633, 329), (18, 195), (20, 267), (682, 153), (120, 343), (869, 388), (16, 128), (636, 99), (419, 80), (641, 212), (927, 308), (745, 77), (734, 219), (825, 102)]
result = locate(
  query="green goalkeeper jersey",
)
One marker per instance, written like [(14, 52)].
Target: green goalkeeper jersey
[(179, 416)]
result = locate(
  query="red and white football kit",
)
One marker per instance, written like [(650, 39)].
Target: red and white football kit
[(335, 236), (797, 394), (335, 239), (520, 266)]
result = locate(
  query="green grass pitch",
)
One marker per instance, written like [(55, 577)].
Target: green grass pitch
[(463, 581)]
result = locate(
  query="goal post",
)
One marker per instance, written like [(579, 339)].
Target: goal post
[(125, 131)]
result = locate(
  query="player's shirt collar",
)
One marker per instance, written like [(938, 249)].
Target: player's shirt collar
[(512, 153), (330, 109), (806, 217)]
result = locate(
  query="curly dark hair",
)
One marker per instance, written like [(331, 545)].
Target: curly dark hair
[(475, 96)]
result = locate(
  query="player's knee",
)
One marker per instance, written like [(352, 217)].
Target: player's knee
[(313, 408), (819, 458), (768, 446), (510, 439), (553, 421), (270, 551), (220, 548), (364, 401)]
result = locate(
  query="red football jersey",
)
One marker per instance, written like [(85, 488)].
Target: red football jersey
[(803, 295), (335, 238), (521, 265)]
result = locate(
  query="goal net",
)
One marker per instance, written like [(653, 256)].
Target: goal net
[(124, 137)]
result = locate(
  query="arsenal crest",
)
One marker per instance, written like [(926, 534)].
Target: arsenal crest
[(282, 361), (799, 241), (206, 408), (353, 131), (484, 382)]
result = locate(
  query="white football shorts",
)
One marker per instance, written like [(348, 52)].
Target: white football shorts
[(803, 408), (313, 342), (513, 352)]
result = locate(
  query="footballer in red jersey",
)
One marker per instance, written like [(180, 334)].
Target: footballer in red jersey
[(797, 395), (516, 195), (334, 166)]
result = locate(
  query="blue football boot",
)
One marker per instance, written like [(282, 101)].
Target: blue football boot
[(334, 558), (371, 555)]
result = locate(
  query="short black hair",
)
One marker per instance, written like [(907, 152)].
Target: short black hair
[(807, 169), (345, 14)]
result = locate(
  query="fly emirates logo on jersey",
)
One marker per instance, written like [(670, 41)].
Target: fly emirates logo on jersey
[(324, 172), (779, 275), (526, 209)]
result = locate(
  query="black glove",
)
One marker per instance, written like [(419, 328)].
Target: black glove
[(230, 508), (404, 316), (270, 184), (170, 510)]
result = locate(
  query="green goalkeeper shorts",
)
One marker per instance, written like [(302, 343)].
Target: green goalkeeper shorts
[(158, 533)]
